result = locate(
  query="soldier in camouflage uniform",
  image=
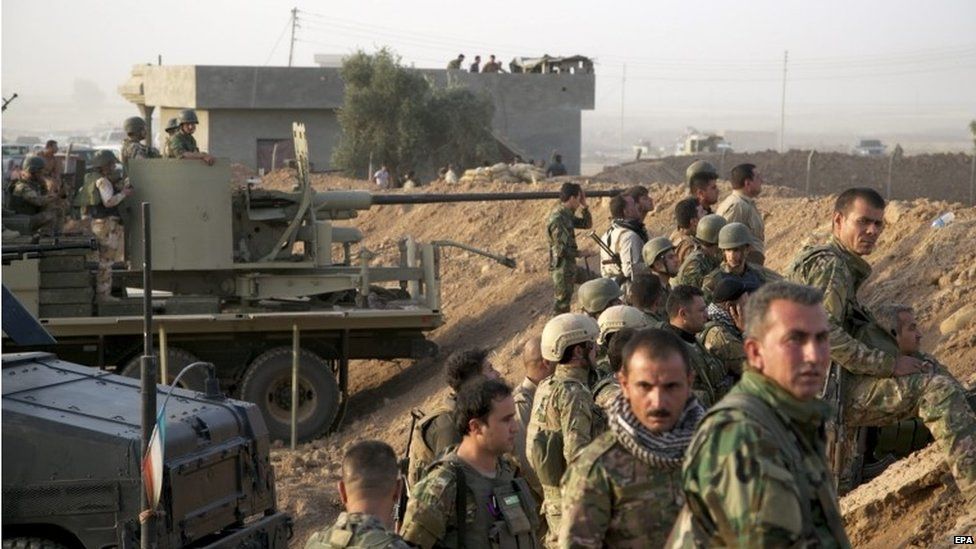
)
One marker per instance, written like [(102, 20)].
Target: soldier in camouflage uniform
[(436, 431), (172, 125), (687, 213), (563, 414), (368, 490), (106, 218), (688, 314), (610, 321), (646, 294), (182, 144), (473, 496), (624, 489), (607, 389), (735, 241), (706, 256), (536, 369), (661, 260), (755, 474), (29, 196), (879, 388), (596, 295), (560, 228), (723, 336), (132, 147), (702, 178)]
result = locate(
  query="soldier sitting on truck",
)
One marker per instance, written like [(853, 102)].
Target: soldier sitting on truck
[(182, 144), (29, 196), (436, 431), (369, 488)]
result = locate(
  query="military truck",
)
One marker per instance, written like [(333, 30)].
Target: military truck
[(71, 463), (244, 272)]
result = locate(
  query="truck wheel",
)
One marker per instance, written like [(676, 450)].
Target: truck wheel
[(267, 383), (31, 543), (177, 359)]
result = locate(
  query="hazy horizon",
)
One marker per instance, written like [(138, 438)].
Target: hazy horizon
[(854, 69)]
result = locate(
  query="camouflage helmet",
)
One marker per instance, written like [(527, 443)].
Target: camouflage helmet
[(188, 116), (655, 247), (103, 159), (734, 235), (700, 167), (172, 124), (594, 295), (709, 227), (133, 124), (617, 318), (33, 164), (564, 331)]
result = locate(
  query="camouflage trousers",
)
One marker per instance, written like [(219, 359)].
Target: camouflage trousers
[(936, 398), (552, 508), (111, 242), (563, 280)]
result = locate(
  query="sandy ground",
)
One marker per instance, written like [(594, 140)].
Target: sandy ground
[(489, 305)]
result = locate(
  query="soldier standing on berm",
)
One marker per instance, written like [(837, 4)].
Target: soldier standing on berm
[(563, 252), (756, 472)]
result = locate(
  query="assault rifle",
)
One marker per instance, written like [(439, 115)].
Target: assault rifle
[(614, 256), (18, 252)]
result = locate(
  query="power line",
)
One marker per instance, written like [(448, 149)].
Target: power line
[(294, 23), (278, 41)]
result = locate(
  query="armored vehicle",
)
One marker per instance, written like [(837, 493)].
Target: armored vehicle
[(71, 464), (243, 272)]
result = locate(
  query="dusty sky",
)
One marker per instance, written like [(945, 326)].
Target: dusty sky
[(854, 66)]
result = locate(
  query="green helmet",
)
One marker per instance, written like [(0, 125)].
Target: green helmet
[(700, 167), (188, 116), (172, 124), (709, 227), (103, 159), (594, 295), (617, 318), (133, 124), (33, 164), (734, 235), (655, 247), (564, 331)]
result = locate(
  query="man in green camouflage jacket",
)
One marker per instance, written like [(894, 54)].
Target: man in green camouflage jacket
[(879, 388), (624, 489), (132, 147), (560, 228), (756, 474), (368, 490), (705, 257), (182, 144)]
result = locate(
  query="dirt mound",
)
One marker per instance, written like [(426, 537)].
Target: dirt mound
[(935, 176), (489, 305)]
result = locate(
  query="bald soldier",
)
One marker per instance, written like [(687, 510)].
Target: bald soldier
[(536, 369), (756, 474), (369, 488), (877, 387), (624, 489)]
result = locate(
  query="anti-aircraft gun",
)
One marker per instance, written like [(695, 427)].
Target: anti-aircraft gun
[(244, 271)]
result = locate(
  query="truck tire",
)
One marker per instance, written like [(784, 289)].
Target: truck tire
[(267, 383), (31, 543), (177, 359)]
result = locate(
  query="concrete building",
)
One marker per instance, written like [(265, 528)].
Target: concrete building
[(246, 112)]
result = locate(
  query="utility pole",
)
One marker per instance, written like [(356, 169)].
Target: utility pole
[(782, 110), (623, 88), (294, 23)]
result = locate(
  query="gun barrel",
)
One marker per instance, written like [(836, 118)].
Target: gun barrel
[(432, 198)]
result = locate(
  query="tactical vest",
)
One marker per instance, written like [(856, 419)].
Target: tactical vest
[(90, 199), (545, 448), (338, 538), (794, 461), (21, 206), (499, 513), (421, 453)]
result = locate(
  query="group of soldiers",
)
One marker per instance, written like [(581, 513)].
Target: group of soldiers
[(703, 402), (40, 194)]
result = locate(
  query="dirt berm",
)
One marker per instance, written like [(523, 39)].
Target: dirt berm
[(489, 305)]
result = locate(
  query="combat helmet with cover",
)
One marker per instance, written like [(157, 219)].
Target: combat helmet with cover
[(188, 116), (734, 235), (617, 318), (133, 124), (709, 227), (172, 124), (104, 158), (564, 331), (700, 167), (594, 295), (655, 247)]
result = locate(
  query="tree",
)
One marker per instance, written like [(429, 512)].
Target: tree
[(397, 115), (972, 130)]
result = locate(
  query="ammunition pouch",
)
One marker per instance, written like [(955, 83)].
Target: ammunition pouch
[(518, 521)]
